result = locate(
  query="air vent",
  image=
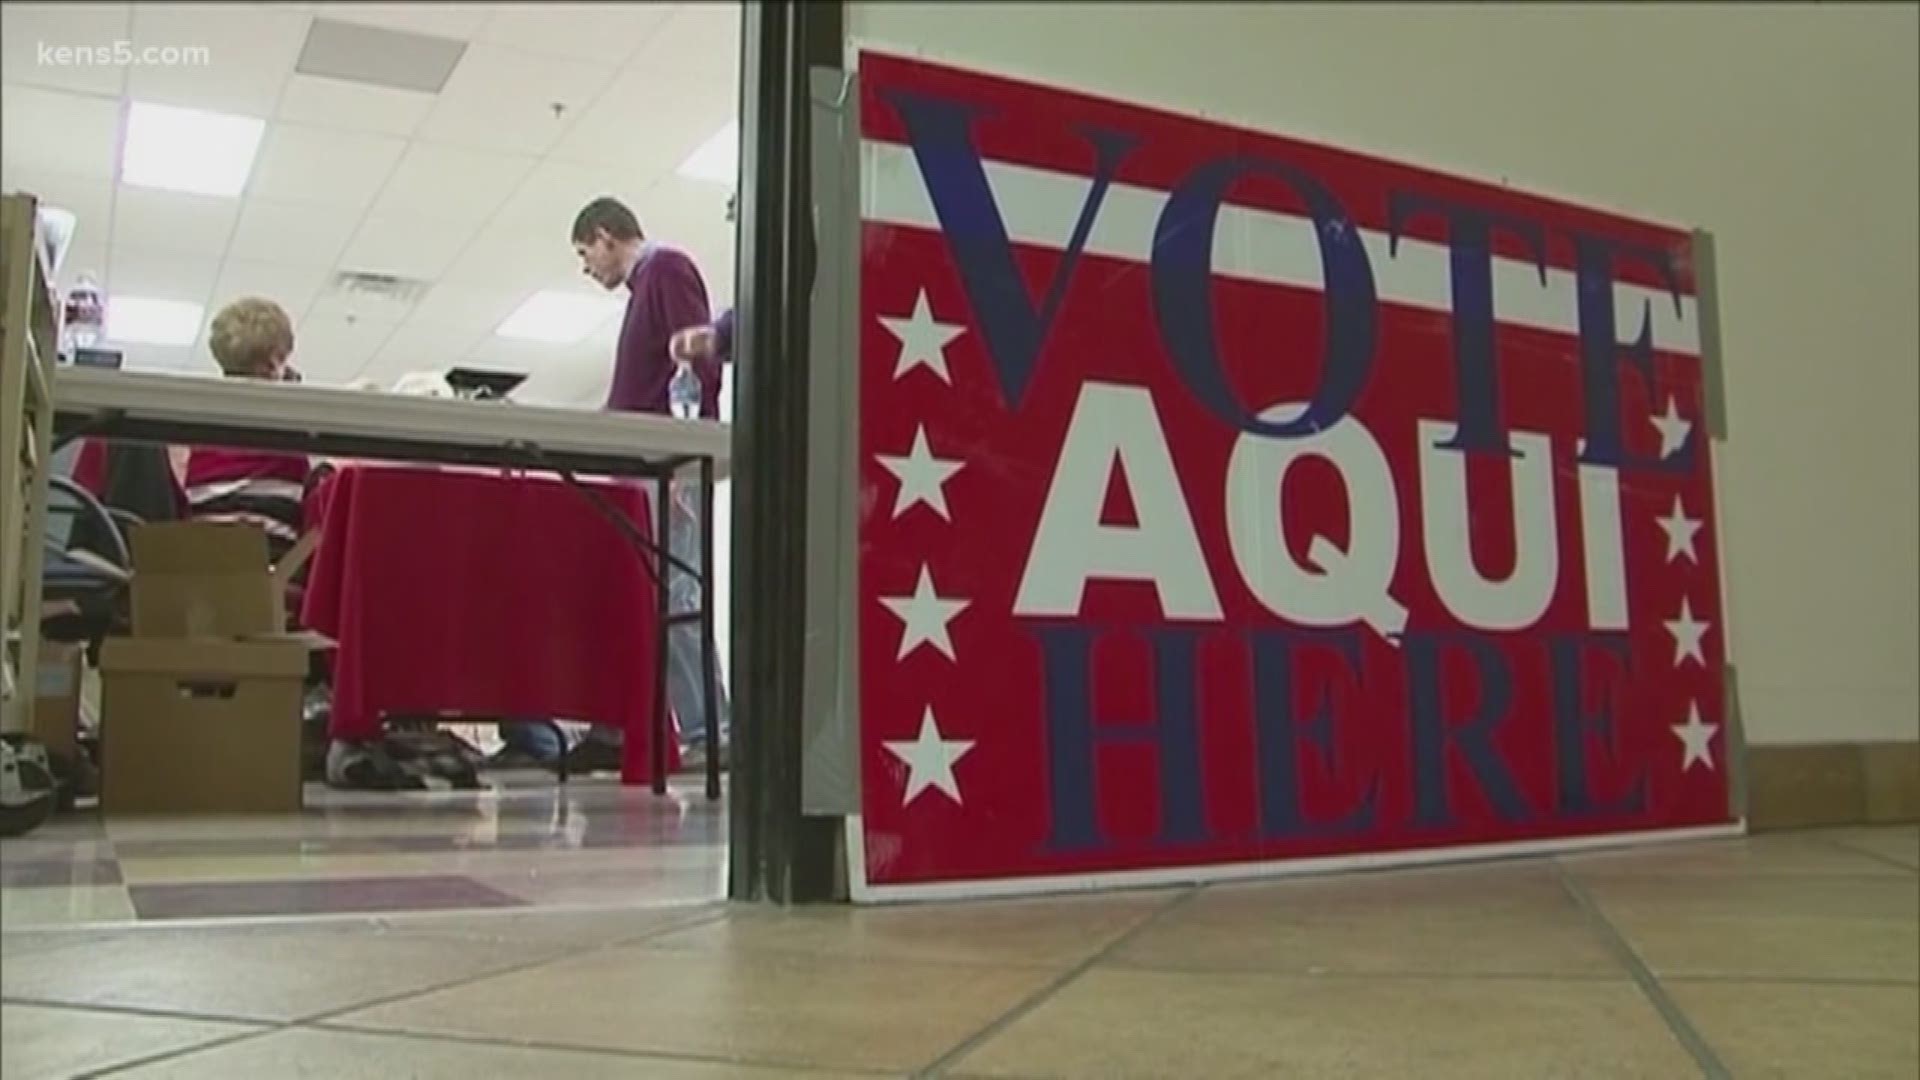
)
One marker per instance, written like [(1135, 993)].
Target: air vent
[(381, 288)]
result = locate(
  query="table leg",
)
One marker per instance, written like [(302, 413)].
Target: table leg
[(709, 663), (662, 537)]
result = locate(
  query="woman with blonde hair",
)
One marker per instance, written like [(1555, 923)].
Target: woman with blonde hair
[(251, 338)]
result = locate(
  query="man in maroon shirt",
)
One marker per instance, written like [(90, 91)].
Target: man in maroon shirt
[(665, 295)]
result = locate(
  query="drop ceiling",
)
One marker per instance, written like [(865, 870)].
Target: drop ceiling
[(471, 189)]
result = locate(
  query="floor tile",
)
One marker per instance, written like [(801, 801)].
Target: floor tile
[(1768, 854), (819, 1012), (356, 859), (18, 873), (14, 943), (1898, 843), (356, 1056), (1494, 920), (56, 907), (47, 1043), (611, 926), (1807, 1031), (1116, 1023), (1768, 927), (549, 887), (255, 974), (1047, 934), (207, 900)]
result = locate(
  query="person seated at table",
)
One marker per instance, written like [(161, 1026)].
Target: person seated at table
[(275, 492), (252, 338)]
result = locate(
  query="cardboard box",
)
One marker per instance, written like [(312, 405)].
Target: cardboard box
[(200, 707), (198, 580), (56, 704), (201, 725)]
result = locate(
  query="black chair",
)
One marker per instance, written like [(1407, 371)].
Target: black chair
[(86, 567), (84, 598)]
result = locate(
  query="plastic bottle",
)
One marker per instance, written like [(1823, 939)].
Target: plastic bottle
[(683, 392), (85, 315)]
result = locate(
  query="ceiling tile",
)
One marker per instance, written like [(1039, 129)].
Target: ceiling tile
[(172, 222), (292, 234), (59, 132), (608, 33), (24, 28), (519, 257), (330, 103), (331, 349), (554, 192), (327, 168), (499, 99), (452, 307), (459, 21), (292, 287), (407, 246), (161, 275), (452, 182), (248, 55)]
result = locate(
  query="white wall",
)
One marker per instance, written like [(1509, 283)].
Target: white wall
[(1788, 131)]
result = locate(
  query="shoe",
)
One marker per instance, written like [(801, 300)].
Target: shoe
[(593, 756), (366, 766), (510, 758), (693, 759)]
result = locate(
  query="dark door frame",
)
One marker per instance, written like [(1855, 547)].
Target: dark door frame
[(777, 853)]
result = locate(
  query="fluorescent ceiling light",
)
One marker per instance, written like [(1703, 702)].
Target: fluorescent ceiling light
[(718, 159), (557, 318), (135, 321), (200, 153)]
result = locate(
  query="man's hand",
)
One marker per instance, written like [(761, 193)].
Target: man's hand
[(694, 345)]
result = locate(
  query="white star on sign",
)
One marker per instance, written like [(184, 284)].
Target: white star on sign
[(1673, 430), (930, 760), (926, 615), (922, 477), (923, 341), (1696, 740), (1680, 530), (1687, 634)]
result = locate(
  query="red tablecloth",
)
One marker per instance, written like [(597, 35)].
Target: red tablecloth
[(484, 595)]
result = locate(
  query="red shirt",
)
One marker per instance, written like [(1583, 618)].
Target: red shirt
[(665, 295)]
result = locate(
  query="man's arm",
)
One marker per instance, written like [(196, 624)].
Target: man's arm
[(723, 337)]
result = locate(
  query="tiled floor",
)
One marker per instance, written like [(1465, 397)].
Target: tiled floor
[(526, 842), (1794, 955)]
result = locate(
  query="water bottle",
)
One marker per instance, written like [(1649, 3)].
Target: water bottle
[(86, 313), (683, 392)]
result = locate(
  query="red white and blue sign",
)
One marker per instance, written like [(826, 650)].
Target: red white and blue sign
[(1230, 502)]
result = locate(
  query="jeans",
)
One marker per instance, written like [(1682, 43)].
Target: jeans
[(533, 738), (683, 640)]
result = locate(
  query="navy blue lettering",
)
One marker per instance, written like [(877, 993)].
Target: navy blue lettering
[(1073, 736), (1470, 261), (1183, 296), (1013, 329), (1434, 732), (1281, 732), (1572, 725), (1602, 353)]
